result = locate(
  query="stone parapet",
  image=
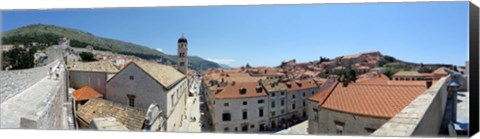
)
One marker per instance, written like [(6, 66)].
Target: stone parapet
[(422, 117)]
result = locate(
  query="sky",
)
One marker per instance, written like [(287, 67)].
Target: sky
[(428, 32)]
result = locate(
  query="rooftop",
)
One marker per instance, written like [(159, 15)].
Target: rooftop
[(167, 76), (302, 84), (233, 90), (408, 73), (376, 100), (85, 93), (273, 86), (108, 123), (96, 66), (131, 117)]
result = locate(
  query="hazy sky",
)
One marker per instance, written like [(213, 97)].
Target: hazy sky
[(266, 35)]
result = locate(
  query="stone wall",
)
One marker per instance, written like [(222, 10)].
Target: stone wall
[(15, 81), (354, 124), (50, 113), (422, 117)]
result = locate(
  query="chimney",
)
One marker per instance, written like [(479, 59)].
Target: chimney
[(428, 83), (242, 91)]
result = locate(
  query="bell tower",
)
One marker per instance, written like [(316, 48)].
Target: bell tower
[(182, 62)]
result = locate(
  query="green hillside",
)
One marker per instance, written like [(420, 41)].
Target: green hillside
[(47, 35)]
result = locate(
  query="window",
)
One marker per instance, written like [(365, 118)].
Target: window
[(312, 93), (172, 98), (226, 129), (131, 77), (273, 114), (273, 104), (339, 127), (225, 104), (252, 126), (315, 115), (260, 112), (282, 93), (245, 103), (261, 101), (293, 96), (226, 117), (282, 103), (272, 94), (131, 100), (304, 104), (283, 111), (244, 114), (245, 127), (293, 105), (370, 130), (303, 94)]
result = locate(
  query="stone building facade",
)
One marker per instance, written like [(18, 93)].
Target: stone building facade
[(92, 74), (140, 84)]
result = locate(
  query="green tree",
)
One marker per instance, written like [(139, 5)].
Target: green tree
[(19, 58), (87, 56)]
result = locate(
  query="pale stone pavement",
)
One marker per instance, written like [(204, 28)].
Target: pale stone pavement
[(29, 103), (192, 110), (300, 128), (462, 111)]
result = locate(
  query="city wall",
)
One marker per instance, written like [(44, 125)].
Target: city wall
[(50, 114), (422, 117), (15, 81)]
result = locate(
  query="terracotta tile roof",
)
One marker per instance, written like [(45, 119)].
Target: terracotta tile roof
[(232, 91), (85, 93), (167, 76), (383, 101), (339, 68), (362, 67), (97, 66), (351, 56), (371, 52), (301, 85), (131, 117), (273, 86), (374, 79), (440, 71), (408, 74), (321, 96), (230, 77)]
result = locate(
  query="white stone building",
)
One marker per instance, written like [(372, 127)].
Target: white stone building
[(297, 94), (238, 107), (92, 74), (277, 99), (140, 84)]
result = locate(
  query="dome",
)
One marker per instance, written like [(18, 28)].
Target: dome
[(182, 39)]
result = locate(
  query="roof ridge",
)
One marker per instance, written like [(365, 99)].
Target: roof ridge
[(386, 84)]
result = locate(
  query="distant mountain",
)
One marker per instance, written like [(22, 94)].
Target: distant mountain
[(48, 35), (225, 66)]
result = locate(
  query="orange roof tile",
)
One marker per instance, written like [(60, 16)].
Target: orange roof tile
[(84, 93), (383, 101), (300, 85), (231, 91), (440, 71)]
